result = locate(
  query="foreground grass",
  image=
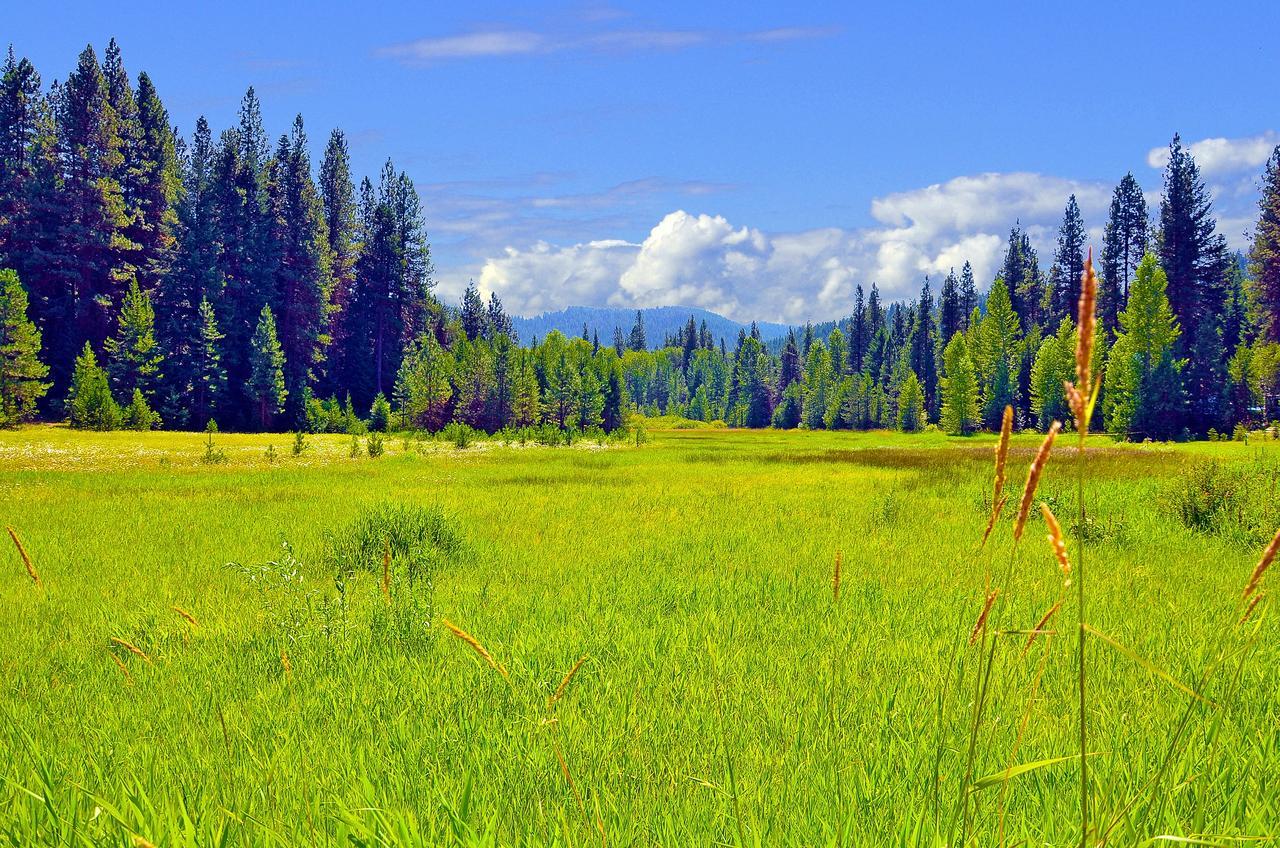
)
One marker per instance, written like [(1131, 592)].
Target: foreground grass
[(725, 697)]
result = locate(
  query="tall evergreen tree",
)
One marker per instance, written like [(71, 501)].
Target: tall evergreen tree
[(1124, 242), (1068, 265), (951, 312), (959, 389), (338, 197), (473, 313), (859, 333), (499, 323), (1264, 257), (22, 374), (922, 351), (1143, 390), (266, 386), (637, 340), (1193, 256), (303, 283), (790, 363), (133, 356), (968, 293), (209, 383)]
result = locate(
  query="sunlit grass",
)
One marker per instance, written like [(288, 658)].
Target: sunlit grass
[(695, 574)]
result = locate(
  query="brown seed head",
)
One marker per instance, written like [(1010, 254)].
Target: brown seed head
[(1035, 631), (1056, 540), (285, 664), (1263, 564), (564, 684), (124, 669), (1033, 478), (131, 648), (1002, 456), (190, 619), (475, 646), (835, 580), (982, 617), (26, 558), (1248, 611)]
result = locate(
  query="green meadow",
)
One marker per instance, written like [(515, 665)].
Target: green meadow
[(312, 694)]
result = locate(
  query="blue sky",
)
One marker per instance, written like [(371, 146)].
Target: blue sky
[(755, 159)]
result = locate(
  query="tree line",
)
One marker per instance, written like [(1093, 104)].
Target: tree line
[(158, 280)]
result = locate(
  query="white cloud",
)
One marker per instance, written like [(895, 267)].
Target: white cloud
[(746, 273), (503, 43), (1222, 156)]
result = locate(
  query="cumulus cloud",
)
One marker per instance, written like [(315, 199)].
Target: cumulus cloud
[(1222, 156), (730, 267), (506, 43), (742, 272)]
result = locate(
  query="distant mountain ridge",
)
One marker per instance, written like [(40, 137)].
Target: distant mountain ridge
[(659, 322)]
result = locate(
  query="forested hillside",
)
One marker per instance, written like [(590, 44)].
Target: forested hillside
[(157, 276)]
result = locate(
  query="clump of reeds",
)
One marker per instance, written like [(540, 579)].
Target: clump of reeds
[(26, 557)]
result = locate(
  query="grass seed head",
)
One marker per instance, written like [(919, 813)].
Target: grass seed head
[(564, 684), (982, 617), (1033, 478), (475, 646), (124, 669), (1035, 631), (132, 648), (190, 619), (1264, 563), (26, 558), (1248, 611), (1002, 458), (1056, 540), (835, 579)]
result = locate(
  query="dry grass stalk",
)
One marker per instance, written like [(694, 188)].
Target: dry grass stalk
[(26, 558), (1082, 395), (835, 579), (285, 664), (1260, 569), (1033, 478), (132, 648), (1002, 456), (475, 646), (564, 684), (1039, 628), (386, 573), (124, 669), (982, 618), (191, 619), (1248, 611), (1056, 540)]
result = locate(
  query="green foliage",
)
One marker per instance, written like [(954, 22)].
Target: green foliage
[(460, 434), (266, 381), (380, 414), (299, 443), (374, 445), (133, 356), (959, 389), (138, 415), (911, 414), (90, 403), (1054, 366), (1143, 396), (22, 374)]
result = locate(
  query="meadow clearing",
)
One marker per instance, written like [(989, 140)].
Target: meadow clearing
[(303, 696)]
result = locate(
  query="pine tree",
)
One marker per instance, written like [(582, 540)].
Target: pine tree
[(922, 348), (959, 389), (1124, 242), (1193, 256), (1054, 365), (911, 413), (338, 198), (22, 374), (1143, 394), (817, 384), (89, 401), (789, 371), (209, 381), (91, 234), (1068, 265), (159, 187), (951, 312), (424, 383), (473, 313), (968, 294), (637, 339), (498, 323), (133, 356), (20, 106), (998, 355), (1264, 257), (303, 284), (266, 386), (859, 333)]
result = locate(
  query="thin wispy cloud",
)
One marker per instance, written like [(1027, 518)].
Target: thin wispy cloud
[(515, 43)]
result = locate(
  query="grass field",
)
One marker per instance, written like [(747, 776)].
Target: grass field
[(726, 697)]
